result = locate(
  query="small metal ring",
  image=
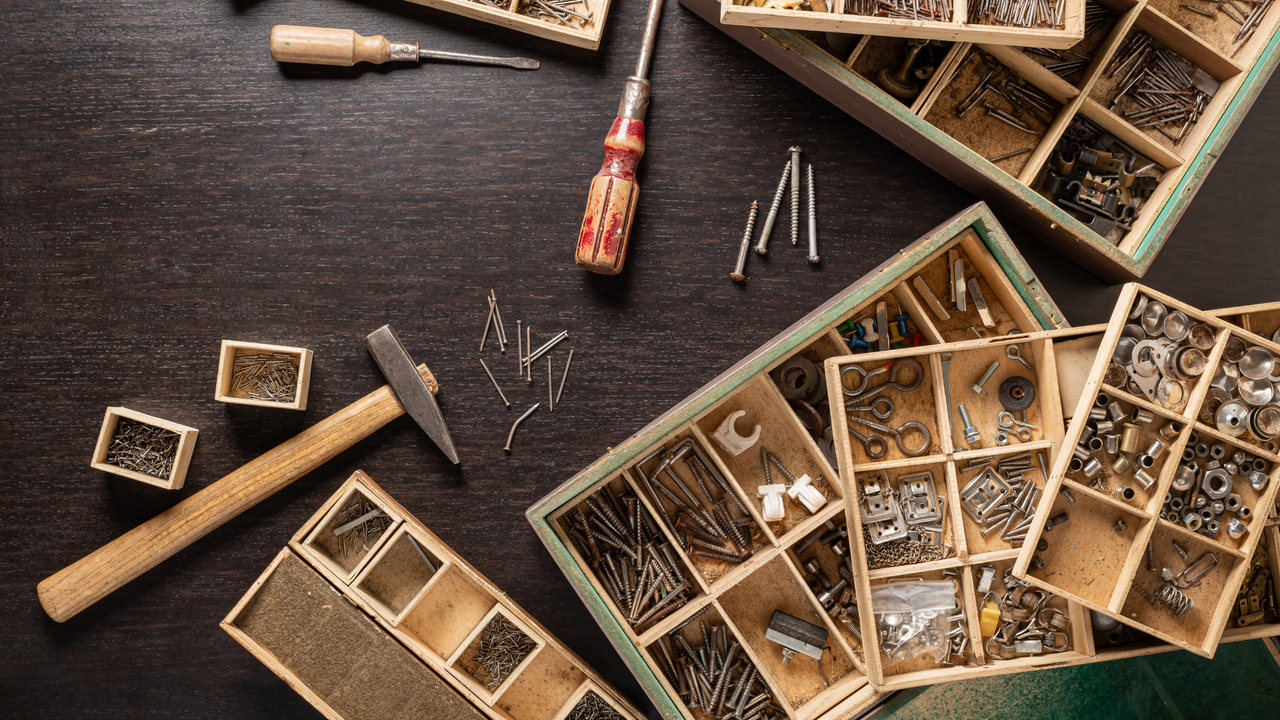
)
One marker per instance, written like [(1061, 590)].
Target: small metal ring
[(923, 430)]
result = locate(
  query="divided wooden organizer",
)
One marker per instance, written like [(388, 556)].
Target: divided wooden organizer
[(973, 148), (385, 620), (785, 558), (1121, 548), (519, 15), (961, 20)]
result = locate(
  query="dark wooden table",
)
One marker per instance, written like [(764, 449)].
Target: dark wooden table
[(165, 185)]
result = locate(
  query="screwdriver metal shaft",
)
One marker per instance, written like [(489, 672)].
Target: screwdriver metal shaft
[(331, 46)]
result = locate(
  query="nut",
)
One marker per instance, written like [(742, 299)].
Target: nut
[(1216, 483)]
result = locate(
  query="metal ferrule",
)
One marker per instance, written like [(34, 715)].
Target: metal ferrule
[(1081, 453), (1129, 438), (1116, 412), (1142, 417), (1144, 479), (635, 99), (1121, 465), (1125, 493), (1145, 461), (1092, 468), (1156, 449), (1170, 430), (1096, 414), (1095, 444), (401, 52), (1111, 443), (1105, 427)]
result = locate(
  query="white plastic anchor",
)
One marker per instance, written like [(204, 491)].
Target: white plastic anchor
[(729, 439), (773, 507), (806, 494)]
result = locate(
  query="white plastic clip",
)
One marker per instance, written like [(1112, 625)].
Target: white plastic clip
[(773, 507), (729, 439), (869, 333), (808, 495)]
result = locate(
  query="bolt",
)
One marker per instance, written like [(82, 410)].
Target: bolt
[(1178, 547), (813, 223), (746, 243), (762, 246), (991, 370), (1120, 525), (795, 193), (971, 434)]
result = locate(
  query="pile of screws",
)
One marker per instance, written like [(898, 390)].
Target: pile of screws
[(939, 10), (1066, 63), (271, 377), (1026, 104), (715, 677), (557, 11), (143, 448), (629, 556), (1017, 13), (1168, 90), (704, 526), (527, 356), (359, 524), (837, 597), (502, 648), (790, 172), (1013, 516), (592, 707)]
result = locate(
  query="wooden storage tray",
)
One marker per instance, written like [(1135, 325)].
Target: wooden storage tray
[(232, 350), (732, 593), (1093, 560), (958, 148), (956, 28), (389, 630), (588, 36), (186, 445)]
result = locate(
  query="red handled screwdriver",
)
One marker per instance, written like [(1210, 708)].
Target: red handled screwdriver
[(611, 202)]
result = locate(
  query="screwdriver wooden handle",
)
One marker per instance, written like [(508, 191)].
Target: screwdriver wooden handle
[(76, 587), (327, 46), (611, 202)]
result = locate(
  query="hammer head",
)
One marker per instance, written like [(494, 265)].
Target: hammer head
[(412, 391)]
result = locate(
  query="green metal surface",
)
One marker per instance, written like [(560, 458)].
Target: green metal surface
[(978, 216), (1241, 683)]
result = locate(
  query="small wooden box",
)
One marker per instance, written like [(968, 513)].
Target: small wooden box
[(957, 27), (510, 15), (182, 457), (387, 628), (229, 391), (958, 147), (1097, 557), (743, 596)]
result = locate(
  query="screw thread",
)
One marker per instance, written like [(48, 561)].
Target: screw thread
[(762, 247), (813, 220)]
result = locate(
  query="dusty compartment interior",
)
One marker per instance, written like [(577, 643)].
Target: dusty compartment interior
[(1086, 552), (336, 652), (543, 685), (442, 618), (397, 574), (904, 670), (488, 641), (345, 555)]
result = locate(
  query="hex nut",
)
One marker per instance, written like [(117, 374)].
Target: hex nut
[(1216, 484)]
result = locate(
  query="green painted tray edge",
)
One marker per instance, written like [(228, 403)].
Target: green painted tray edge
[(977, 216)]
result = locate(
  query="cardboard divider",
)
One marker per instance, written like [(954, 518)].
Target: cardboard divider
[(398, 574), (543, 687), (751, 604), (1085, 551), (442, 618), (782, 436), (345, 556)]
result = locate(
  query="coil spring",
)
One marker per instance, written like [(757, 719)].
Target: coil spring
[(1175, 599)]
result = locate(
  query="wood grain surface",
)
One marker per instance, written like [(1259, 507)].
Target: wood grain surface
[(165, 185)]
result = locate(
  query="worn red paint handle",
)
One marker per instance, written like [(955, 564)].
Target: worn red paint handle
[(611, 203)]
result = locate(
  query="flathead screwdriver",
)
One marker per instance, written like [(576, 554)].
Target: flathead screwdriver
[(331, 46)]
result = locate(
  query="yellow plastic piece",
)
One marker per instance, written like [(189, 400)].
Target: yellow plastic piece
[(989, 618)]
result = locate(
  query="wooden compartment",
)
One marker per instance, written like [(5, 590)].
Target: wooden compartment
[(826, 570), (344, 555), (583, 33), (588, 695), (494, 628), (182, 446), (398, 640), (936, 21), (881, 557), (1084, 562), (874, 54), (398, 575), (1251, 512), (264, 375), (995, 535), (960, 153)]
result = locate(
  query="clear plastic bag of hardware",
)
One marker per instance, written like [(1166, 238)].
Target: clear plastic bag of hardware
[(913, 619)]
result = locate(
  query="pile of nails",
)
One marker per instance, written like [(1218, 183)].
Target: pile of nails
[(1017, 13), (1168, 90), (715, 677), (939, 10), (592, 707), (1247, 20), (1068, 62), (143, 448), (630, 556), (527, 357), (272, 377), (705, 527), (502, 648), (1026, 103), (791, 174), (556, 11), (359, 524)]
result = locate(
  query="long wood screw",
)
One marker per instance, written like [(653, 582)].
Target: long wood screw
[(746, 243)]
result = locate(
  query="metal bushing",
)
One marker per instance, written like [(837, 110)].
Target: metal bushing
[(1184, 479), (1104, 427), (1155, 449), (1257, 363), (1144, 461), (1169, 430), (1129, 438), (1097, 414), (1121, 465), (1099, 402), (1234, 351), (1096, 444), (1017, 393), (1232, 419), (1092, 468), (1144, 479), (1111, 443), (1201, 337), (1216, 484), (1125, 493), (1116, 412), (1141, 416), (1075, 464)]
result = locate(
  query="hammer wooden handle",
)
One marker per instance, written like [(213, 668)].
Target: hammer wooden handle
[(76, 587)]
